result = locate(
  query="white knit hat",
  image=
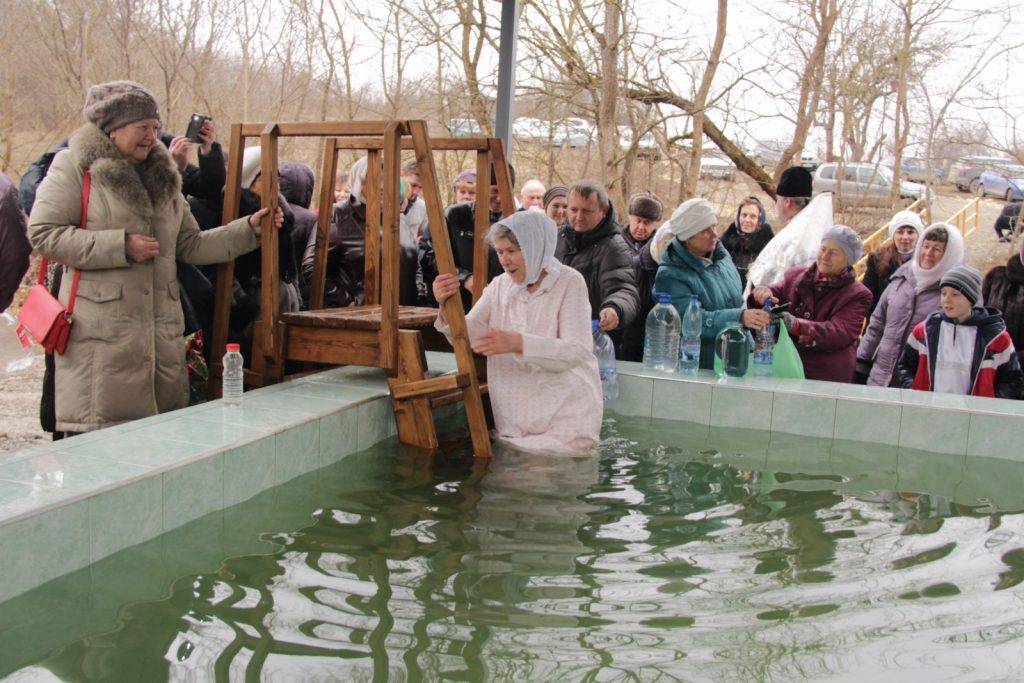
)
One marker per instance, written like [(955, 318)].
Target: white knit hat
[(251, 158), (691, 217), (906, 219)]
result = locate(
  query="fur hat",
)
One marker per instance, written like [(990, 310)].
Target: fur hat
[(795, 181), (645, 206), (118, 103)]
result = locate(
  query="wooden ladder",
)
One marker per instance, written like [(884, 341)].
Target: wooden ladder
[(380, 333)]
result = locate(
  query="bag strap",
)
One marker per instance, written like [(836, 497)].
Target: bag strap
[(44, 262)]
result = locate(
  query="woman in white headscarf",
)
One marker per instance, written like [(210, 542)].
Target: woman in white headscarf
[(533, 324), (912, 295)]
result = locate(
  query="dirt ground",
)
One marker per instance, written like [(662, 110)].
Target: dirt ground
[(19, 392)]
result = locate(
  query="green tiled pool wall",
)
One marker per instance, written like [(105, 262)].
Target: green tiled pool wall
[(69, 504), (935, 423)]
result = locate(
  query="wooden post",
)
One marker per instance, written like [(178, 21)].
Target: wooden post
[(371, 250), (328, 170), (226, 270), (392, 154), (475, 415), (508, 204), (481, 224), (270, 286)]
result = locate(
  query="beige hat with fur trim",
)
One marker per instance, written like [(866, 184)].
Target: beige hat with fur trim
[(118, 103)]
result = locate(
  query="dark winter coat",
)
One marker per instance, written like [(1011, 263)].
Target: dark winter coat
[(346, 260), (1007, 218), (461, 222), (1004, 289), (880, 269), (829, 313), (744, 248), (716, 284), (995, 367), (629, 340), (899, 309), (125, 357), (297, 185), (606, 263), (14, 245)]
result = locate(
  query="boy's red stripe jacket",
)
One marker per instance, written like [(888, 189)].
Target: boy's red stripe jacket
[(995, 367)]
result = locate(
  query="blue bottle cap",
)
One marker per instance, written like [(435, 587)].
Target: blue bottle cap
[(693, 297), (595, 325), (663, 297)]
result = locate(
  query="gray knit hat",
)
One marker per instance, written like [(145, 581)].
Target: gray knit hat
[(964, 279), (646, 206), (848, 240), (118, 103)]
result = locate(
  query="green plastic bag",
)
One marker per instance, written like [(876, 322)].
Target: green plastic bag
[(786, 362)]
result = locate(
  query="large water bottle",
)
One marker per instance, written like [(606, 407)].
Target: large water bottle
[(604, 349), (232, 376), (764, 346), (689, 341), (15, 354), (661, 339)]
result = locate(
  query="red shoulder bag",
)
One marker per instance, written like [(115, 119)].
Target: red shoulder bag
[(43, 317)]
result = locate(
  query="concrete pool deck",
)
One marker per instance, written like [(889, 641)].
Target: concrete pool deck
[(95, 494)]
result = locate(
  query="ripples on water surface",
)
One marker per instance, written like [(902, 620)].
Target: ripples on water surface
[(693, 561)]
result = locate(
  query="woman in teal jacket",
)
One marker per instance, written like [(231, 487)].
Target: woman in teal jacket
[(696, 262)]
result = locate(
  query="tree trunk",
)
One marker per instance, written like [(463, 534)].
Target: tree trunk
[(607, 128), (702, 98)]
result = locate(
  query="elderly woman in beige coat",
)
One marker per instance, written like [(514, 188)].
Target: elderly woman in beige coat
[(125, 358)]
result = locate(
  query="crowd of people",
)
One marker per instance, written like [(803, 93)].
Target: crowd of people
[(562, 264)]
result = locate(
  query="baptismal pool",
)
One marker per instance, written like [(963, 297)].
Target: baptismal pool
[(677, 553)]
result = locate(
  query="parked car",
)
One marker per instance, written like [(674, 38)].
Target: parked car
[(646, 146), (1002, 181), (966, 172), (863, 184), (717, 169), (919, 171), (810, 163), (532, 129), (464, 127), (573, 132)]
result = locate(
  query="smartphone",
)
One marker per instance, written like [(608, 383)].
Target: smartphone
[(195, 124), (776, 311)]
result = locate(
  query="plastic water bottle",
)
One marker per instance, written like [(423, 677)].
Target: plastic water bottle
[(661, 339), (764, 346), (604, 349), (15, 355), (231, 368), (689, 337)]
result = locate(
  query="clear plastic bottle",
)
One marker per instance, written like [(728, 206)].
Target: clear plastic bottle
[(764, 346), (232, 380), (661, 338), (689, 337), (604, 349), (15, 355)]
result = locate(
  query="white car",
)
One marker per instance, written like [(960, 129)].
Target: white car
[(718, 169), (864, 184)]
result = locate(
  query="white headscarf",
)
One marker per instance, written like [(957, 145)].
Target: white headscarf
[(953, 256), (251, 158), (687, 220), (537, 235), (356, 178)]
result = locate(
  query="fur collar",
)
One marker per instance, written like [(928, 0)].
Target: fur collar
[(145, 187)]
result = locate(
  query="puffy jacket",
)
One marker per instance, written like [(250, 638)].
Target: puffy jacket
[(995, 368), (629, 340), (125, 357), (900, 308), (830, 313), (14, 246), (297, 185), (606, 263), (716, 284), (1004, 289), (346, 260)]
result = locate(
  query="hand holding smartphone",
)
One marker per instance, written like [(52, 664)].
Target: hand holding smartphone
[(195, 126)]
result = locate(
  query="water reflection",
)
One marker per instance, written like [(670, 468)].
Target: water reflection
[(652, 561)]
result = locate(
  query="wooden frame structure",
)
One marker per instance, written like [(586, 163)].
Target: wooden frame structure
[(380, 333)]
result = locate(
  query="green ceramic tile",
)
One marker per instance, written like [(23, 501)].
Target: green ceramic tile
[(868, 421), (204, 433), (126, 516), (138, 451), (921, 471), (249, 469), (195, 547), (933, 400), (375, 422), (934, 429), (298, 451), (740, 447), (332, 395), (996, 436), (994, 483), (43, 547), (685, 401), (749, 382), (867, 393), (270, 414), (193, 490), (75, 474), (293, 404), (1000, 406), (339, 435), (18, 499), (807, 386), (740, 407), (803, 415), (864, 466), (635, 397)]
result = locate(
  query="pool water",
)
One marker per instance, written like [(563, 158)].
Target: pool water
[(723, 556)]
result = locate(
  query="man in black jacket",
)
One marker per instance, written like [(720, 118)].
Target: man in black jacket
[(645, 211), (461, 222), (591, 244)]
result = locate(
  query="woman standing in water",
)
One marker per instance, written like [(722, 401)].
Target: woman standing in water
[(533, 324)]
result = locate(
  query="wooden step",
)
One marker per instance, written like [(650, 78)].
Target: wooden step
[(434, 385), (452, 397)]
